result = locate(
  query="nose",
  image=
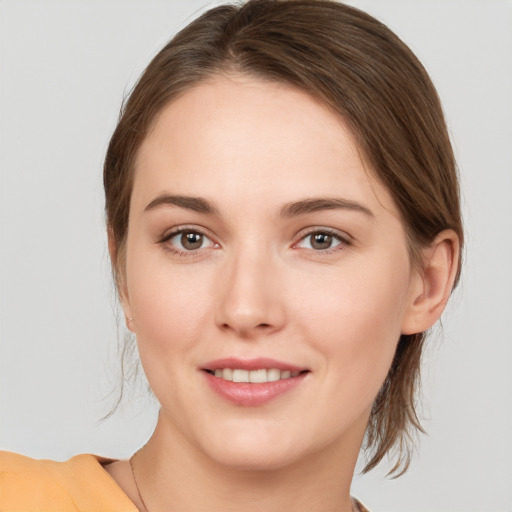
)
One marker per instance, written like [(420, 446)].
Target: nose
[(251, 296)]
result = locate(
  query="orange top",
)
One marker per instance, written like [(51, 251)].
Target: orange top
[(79, 485)]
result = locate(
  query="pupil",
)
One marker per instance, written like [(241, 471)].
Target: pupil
[(191, 240), (321, 241)]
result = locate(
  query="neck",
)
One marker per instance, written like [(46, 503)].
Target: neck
[(173, 475)]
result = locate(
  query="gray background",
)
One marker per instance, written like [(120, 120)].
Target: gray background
[(64, 67)]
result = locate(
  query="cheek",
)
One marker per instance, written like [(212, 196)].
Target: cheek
[(355, 321), (170, 307)]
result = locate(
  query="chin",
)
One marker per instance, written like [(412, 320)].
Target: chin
[(254, 449), (242, 446), (255, 459)]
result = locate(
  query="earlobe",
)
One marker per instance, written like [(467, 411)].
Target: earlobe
[(434, 283), (129, 321), (119, 280)]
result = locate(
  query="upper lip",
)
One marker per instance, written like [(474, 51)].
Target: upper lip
[(251, 364)]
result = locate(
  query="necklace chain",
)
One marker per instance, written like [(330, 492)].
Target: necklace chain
[(136, 484)]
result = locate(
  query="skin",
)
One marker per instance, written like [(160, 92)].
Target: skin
[(259, 287)]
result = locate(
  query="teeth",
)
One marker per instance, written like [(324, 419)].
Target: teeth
[(273, 375), (258, 376), (254, 376), (240, 376)]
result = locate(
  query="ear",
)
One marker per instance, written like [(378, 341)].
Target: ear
[(120, 281), (433, 283)]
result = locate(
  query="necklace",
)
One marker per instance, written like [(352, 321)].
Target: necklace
[(136, 484)]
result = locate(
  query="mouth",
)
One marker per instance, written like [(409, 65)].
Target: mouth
[(254, 382), (258, 376)]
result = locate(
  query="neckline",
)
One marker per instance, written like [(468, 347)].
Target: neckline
[(104, 461)]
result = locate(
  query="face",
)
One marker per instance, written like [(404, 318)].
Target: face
[(261, 249)]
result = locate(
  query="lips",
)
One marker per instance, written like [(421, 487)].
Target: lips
[(255, 376), (252, 364), (252, 382)]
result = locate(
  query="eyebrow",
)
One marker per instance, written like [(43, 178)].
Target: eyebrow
[(317, 204), (293, 209), (197, 204)]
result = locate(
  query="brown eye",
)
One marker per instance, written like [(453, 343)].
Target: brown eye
[(188, 240), (191, 240), (321, 241)]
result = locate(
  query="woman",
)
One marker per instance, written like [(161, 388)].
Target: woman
[(284, 226)]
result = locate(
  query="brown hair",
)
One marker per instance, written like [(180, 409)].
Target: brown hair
[(362, 72)]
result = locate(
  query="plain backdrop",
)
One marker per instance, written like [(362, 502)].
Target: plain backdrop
[(65, 66)]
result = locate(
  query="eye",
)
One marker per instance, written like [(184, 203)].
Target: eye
[(187, 240), (321, 241)]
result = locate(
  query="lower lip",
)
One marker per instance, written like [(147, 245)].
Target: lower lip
[(249, 394)]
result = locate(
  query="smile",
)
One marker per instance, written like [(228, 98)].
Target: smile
[(255, 376), (253, 382)]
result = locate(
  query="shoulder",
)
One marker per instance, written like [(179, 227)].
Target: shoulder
[(79, 484)]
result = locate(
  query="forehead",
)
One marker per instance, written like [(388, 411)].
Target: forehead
[(242, 138)]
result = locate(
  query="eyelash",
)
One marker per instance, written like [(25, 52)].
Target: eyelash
[(165, 241), (343, 241)]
